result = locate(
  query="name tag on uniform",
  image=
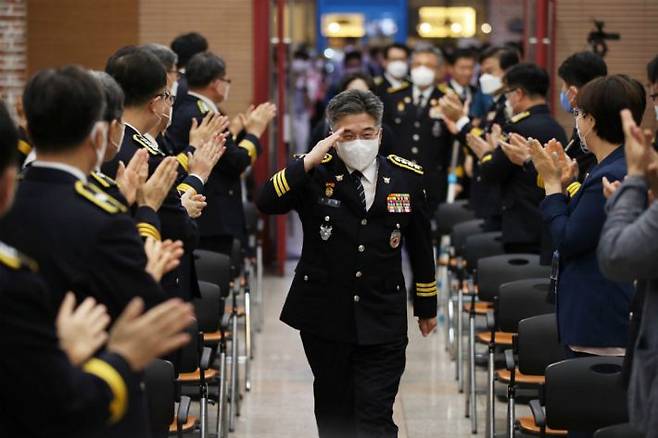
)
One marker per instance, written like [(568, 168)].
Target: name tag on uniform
[(398, 203), (335, 203)]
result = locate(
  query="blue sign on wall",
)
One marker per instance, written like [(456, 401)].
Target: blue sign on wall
[(382, 17)]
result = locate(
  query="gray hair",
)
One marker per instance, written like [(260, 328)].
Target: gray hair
[(165, 55), (352, 102), (428, 48)]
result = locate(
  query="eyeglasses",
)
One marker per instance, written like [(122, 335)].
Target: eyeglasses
[(578, 112), (227, 80), (167, 97), (367, 134)]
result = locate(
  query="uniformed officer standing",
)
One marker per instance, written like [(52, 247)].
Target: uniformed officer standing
[(223, 218), (348, 295), (396, 64), (412, 112), (525, 87)]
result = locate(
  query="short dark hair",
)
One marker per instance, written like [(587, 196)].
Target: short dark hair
[(506, 56), (167, 57), (204, 68), (603, 98), (139, 73), (354, 54), (114, 96), (461, 54), (61, 107), (529, 77), (652, 70), (581, 67), (353, 102), (353, 76), (400, 46), (8, 139), (187, 45)]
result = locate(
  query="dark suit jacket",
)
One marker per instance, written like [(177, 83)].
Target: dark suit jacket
[(592, 311)]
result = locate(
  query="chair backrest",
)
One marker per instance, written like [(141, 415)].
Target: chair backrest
[(215, 268), (448, 215), (482, 245), (538, 344), (522, 299), (209, 308), (189, 354), (251, 216), (463, 230), (618, 431), (160, 393), (496, 270), (236, 258), (585, 394)]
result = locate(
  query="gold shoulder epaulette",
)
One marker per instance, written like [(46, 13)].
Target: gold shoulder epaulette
[(203, 107), (143, 141), (405, 164), (400, 87), (24, 147), (103, 180), (443, 87), (519, 116), (13, 259), (327, 158), (99, 198), (378, 80)]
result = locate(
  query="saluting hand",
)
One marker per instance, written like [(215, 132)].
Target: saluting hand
[(81, 330), (155, 189), (140, 338), (314, 158)]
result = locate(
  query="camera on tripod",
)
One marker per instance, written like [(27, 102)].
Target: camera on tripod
[(597, 38)]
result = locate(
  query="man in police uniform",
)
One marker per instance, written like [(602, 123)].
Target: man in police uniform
[(348, 296), (223, 218), (78, 395), (396, 65), (525, 88), (412, 112)]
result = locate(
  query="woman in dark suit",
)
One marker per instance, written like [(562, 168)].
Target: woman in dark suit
[(592, 311)]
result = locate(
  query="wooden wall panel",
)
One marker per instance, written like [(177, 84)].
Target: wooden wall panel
[(227, 24), (83, 32), (634, 19)]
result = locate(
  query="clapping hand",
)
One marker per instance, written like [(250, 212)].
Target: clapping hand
[(130, 178), (211, 125), (81, 330), (194, 203), (162, 257), (259, 118)]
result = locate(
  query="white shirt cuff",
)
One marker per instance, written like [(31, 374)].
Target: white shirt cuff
[(463, 121)]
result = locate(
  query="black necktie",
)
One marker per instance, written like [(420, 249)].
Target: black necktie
[(356, 179)]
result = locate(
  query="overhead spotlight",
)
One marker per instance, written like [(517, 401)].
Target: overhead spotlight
[(329, 53), (456, 27), (424, 28), (333, 27), (486, 28)]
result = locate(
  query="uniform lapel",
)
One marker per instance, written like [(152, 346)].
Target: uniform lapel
[(383, 189)]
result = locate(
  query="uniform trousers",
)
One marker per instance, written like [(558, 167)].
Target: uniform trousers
[(355, 386)]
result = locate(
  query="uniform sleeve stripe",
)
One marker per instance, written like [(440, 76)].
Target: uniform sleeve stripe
[(145, 229), (184, 161), (573, 188), (275, 182), (284, 180), (251, 149), (427, 294), (486, 158), (113, 379), (184, 187), (433, 283)]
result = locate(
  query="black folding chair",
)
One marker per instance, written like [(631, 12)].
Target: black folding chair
[(618, 431)]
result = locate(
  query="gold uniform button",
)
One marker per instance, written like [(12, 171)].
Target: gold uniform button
[(362, 248), (358, 274), (414, 150), (305, 277), (416, 137), (364, 222), (356, 298)]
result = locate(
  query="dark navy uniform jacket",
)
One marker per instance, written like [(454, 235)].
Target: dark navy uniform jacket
[(348, 285), (421, 136), (81, 238), (100, 398), (176, 223), (224, 214), (521, 188), (592, 311)]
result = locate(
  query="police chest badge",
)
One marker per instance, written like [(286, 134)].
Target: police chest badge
[(325, 232), (329, 189), (398, 203), (436, 129), (396, 237), (435, 112)]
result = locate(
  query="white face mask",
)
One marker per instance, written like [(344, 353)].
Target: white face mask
[(490, 83), (397, 69), (422, 76), (655, 108), (358, 154), (117, 145), (509, 110), (100, 151), (167, 116)]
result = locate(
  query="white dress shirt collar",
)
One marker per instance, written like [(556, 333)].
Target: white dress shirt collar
[(425, 93), (211, 105), (393, 81), (76, 172), (369, 181)]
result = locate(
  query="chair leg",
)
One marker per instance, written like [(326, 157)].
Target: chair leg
[(511, 415), (234, 390), (491, 427), (248, 340), (473, 383), (203, 402), (459, 363), (221, 393)]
